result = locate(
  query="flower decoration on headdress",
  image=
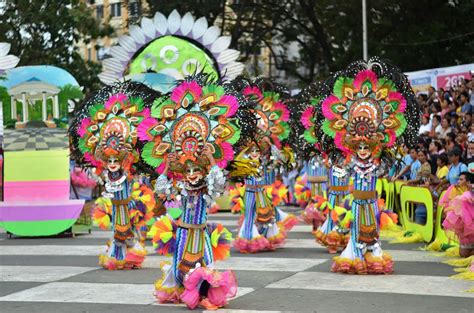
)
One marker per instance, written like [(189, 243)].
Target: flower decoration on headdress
[(366, 108), (111, 129), (272, 114), (196, 114)]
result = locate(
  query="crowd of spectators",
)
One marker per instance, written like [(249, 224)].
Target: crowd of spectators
[(445, 148)]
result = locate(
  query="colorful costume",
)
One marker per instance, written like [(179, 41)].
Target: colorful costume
[(460, 217), (198, 116), (316, 181), (366, 109), (327, 234), (195, 248), (260, 229), (264, 226), (105, 136)]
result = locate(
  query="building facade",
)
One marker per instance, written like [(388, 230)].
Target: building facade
[(119, 14)]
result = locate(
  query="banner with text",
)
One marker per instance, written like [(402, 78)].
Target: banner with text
[(443, 77)]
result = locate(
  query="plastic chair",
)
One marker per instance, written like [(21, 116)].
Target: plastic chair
[(421, 195), (441, 235)]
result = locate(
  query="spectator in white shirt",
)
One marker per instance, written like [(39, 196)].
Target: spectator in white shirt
[(425, 126)]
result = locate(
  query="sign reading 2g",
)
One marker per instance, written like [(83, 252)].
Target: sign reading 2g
[(451, 80)]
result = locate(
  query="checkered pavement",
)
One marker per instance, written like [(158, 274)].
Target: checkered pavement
[(61, 274), (35, 139)]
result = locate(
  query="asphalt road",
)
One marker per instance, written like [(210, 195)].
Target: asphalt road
[(61, 274)]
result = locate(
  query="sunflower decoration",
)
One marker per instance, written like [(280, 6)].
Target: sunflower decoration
[(271, 112), (198, 112), (371, 107)]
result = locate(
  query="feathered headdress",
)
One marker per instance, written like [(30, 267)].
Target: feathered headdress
[(368, 102), (198, 112), (272, 114), (106, 125)]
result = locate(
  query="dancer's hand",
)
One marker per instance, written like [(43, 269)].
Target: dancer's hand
[(170, 159), (208, 154)]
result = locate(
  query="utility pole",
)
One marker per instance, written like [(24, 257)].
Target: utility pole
[(364, 30)]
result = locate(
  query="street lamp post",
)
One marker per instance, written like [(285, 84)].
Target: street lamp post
[(364, 30)]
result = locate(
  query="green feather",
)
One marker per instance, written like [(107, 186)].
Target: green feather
[(215, 89), (174, 212), (309, 136), (286, 130), (82, 145), (218, 155), (276, 115), (148, 157), (273, 95), (387, 83), (327, 129), (159, 105), (367, 83), (222, 110), (339, 86), (94, 109), (403, 124), (236, 136), (315, 101), (138, 102)]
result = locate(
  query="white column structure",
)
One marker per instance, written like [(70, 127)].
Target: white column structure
[(43, 107), (25, 107), (13, 107), (56, 106)]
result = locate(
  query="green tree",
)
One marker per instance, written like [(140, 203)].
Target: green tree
[(68, 92), (307, 39), (46, 32)]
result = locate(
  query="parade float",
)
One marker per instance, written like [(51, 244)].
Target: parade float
[(36, 152), (161, 50)]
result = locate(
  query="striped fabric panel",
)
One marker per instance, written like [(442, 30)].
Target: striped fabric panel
[(249, 217)]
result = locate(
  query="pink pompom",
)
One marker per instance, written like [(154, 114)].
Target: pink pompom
[(143, 129), (85, 123), (120, 97), (191, 87), (227, 154), (397, 97), (306, 117), (285, 116), (327, 105), (252, 91), (231, 102), (364, 76)]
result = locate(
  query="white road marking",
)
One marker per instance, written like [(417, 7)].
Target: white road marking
[(40, 273), (307, 244), (252, 264), (57, 250), (134, 294), (400, 284)]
